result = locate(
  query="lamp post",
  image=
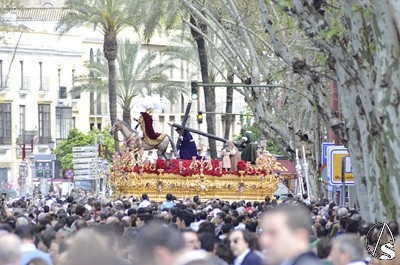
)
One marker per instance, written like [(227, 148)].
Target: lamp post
[(51, 145), (23, 172), (99, 171), (305, 167), (29, 182), (105, 177), (299, 182)]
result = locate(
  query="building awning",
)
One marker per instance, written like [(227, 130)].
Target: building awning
[(285, 167)]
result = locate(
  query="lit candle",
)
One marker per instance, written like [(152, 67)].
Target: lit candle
[(297, 153), (180, 165), (304, 154)]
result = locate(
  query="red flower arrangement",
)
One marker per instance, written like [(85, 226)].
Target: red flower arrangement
[(127, 162)]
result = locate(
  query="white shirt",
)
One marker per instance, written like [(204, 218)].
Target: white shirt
[(240, 226), (144, 204), (239, 259), (196, 225), (26, 247)]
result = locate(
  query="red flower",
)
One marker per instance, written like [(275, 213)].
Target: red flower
[(241, 165)]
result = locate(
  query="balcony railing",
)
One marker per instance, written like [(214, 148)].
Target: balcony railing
[(5, 140), (25, 137), (3, 82), (99, 109), (43, 140), (62, 92), (45, 85), (26, 83)]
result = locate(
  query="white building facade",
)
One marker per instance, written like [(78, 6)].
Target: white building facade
[(38, 69)]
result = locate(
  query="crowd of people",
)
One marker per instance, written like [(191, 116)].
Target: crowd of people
[(84, 229)]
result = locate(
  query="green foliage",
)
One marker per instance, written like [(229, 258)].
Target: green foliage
[(272, 146), (367, 12), (284, 4), (275, 149), (137, 75), (77, 138)]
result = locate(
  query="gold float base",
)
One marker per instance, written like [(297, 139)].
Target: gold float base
[(227, 187)]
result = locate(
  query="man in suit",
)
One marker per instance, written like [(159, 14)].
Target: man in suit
[(241, 247), (284, 238)]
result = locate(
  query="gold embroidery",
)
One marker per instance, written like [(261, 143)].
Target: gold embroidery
[(147, 140)]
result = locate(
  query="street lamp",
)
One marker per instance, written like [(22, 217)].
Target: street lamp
[(299, 183), (105, 175), (51, 145), (23, 172), (29, 182), (99, 171)]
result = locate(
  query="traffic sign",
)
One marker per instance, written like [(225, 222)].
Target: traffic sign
[(84, 154), (84, 148), (324, 150), (87, 160), (87, 171), (69, 173), (83, 177), (83, 166), (335, 163)]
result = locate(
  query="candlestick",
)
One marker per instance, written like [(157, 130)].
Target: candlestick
[(106, 152)]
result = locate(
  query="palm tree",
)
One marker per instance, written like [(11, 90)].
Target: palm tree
[(136, 76), (110, 17)]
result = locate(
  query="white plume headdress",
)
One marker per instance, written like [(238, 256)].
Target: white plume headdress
[(150, 103)]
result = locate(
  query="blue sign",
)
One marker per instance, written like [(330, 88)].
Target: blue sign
[(324, 152)]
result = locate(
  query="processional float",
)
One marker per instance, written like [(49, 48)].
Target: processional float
[(133, 175)]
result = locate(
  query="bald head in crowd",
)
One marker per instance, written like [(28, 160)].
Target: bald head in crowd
[(10, 249)]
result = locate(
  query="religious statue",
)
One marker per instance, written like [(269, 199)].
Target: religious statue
[(226, 161), (249, 153), (150, 137), (234, 156), (187, 147)]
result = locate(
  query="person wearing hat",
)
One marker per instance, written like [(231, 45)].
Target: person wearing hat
[(187, 147)]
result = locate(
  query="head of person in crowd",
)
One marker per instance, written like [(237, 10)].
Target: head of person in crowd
[(324, 247), (10, 249), (184, 219), (191, 239), (241, 243), (285, 232), (143, 219), (158, 245), (347, 249), (89, 247)]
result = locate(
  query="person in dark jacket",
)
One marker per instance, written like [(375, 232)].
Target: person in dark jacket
[(240, 242)]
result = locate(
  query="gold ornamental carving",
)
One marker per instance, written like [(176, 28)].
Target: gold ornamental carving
[(229, 186)]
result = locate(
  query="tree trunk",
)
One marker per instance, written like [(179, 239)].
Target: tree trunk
[(366, 68), (209, 92), (229, 107), (110, 49), (126, 115)]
